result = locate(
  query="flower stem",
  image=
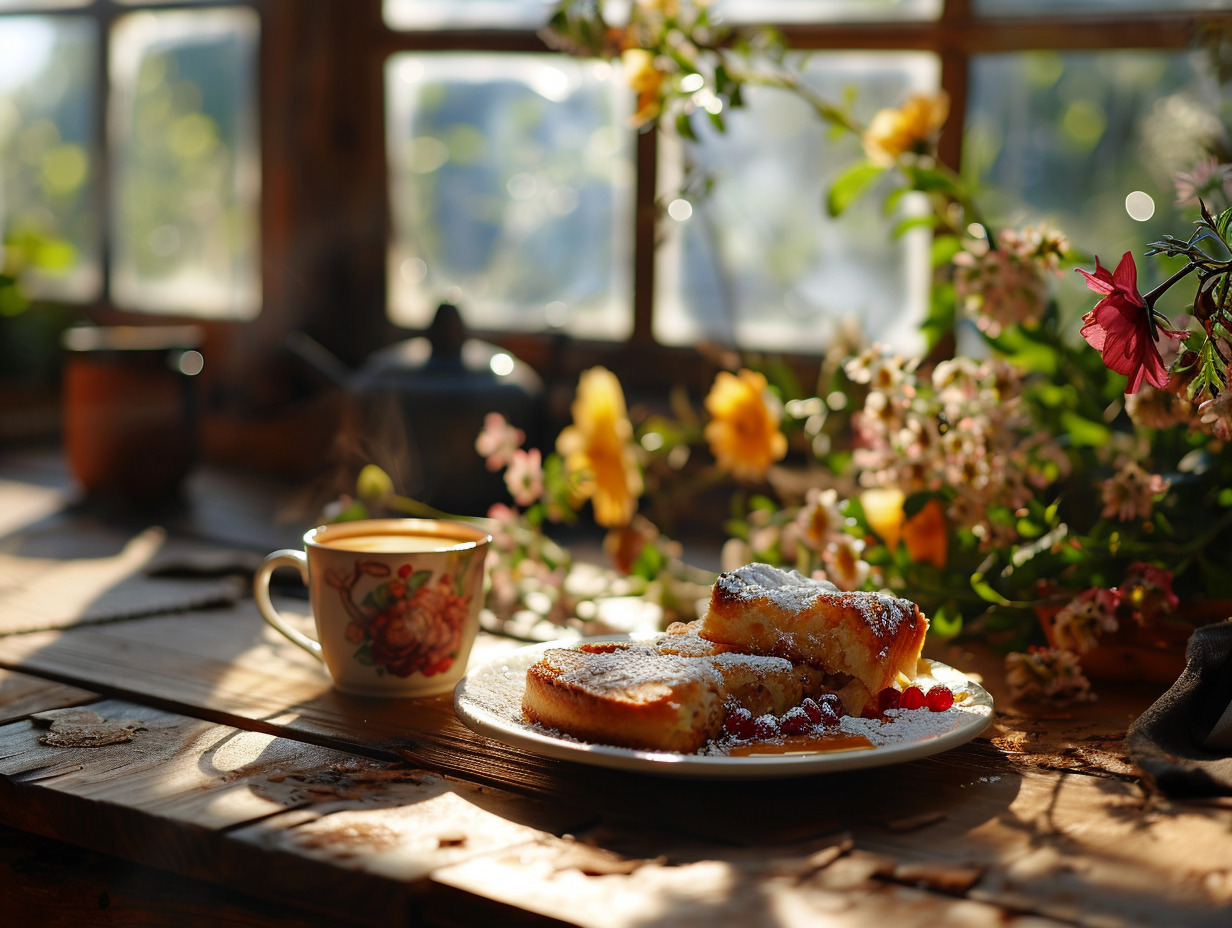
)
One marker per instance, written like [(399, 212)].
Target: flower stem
[(1150, 298)]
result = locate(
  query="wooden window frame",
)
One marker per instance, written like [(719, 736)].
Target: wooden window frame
[(324, 208)]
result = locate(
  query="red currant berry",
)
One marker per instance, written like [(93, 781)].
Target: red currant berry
[(812, 710), (795, 722), (888, 698), (739, 723), (765, 726), (832, 707), (940, 698), (912, 698)]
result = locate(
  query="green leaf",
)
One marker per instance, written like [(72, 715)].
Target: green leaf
[(649, 564), (378, 599), (944, 248), (850, 185), (357, 510), (915, 222), (946, 620), (417, 579), (1083, 432), (985, 591), (684, 128), (930, 180)]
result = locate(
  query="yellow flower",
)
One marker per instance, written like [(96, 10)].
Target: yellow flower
[(894, 132), (884, 510), (645, 79), (743, 433), (598, 448)]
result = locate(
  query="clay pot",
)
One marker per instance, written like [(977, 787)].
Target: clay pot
[(1153, 653), (130, 420)]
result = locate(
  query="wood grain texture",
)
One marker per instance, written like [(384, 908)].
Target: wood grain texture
[(50, 884), (1042, 820), (22, 694), (344, 836)]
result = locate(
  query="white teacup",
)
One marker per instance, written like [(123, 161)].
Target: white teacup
[(396, 601)]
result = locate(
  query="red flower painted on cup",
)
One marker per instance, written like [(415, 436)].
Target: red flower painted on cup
[(1122, 326), (414, 624)]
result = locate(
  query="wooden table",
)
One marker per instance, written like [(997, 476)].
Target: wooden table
[(251, 793)]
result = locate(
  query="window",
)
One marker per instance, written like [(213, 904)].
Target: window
[(511, 191), (48, 127), (340, 166), (129, 164), (1057, 116)]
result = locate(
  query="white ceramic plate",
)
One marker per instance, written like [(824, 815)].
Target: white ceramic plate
[(489, 701)]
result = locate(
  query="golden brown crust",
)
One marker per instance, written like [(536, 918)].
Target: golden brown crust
[(630, 697), (771, 638), (660, 694), (765, 610)]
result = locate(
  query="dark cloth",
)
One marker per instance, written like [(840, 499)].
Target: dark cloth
[(1183, 742)]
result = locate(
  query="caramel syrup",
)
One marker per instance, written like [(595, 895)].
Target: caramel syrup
[(803, 744)]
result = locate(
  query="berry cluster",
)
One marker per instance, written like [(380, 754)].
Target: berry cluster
[(825, 712), (822, 712), (937, 699)]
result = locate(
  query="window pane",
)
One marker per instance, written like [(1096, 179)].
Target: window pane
[(186, 172), (1066, 137), (823, 11), (47, 156), (1087, 7), (512, 192), (756, 262), (446, 14)]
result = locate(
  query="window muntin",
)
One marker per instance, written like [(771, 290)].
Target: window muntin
[(185, 163), (511, 181), (455, 14), (1037, 8), (826, 11), (756, 262)]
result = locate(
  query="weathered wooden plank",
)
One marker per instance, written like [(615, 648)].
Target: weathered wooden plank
[(1057, 845), (22, 694), (174, 768), (1041, 850), (784, 886), (377, 848), (50, 884), (202, 800)]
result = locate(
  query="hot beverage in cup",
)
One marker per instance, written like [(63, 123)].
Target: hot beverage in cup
[(395, 601)]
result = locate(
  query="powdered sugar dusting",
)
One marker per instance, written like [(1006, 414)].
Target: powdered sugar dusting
[(763, 666), (902, 726), (791, 591), (495, 691), (628, 671)]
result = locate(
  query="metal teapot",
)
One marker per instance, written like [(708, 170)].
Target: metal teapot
[(416, 407)]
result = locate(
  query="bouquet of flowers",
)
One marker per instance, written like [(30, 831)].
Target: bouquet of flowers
[(1069, 486)]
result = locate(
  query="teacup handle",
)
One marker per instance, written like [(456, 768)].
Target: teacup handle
[(285, 557)]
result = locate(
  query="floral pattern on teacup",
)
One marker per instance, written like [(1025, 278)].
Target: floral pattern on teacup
[(407, 624)]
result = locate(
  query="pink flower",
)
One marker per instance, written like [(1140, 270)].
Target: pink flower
[(1089, 615), (524, 478), (1131, 494), (1147, 592), (1121, 327), (1046, 675), (498, 441)]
